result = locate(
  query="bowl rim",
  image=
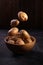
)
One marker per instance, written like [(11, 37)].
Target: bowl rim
[(34, 40)]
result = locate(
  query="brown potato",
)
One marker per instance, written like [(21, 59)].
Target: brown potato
[(22, 16), (13, 31), (14, 22), (12, 38), (20, 41), (24, 34), (11, 42), (16, 36)]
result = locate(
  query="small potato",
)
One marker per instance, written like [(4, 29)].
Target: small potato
[(13, 31), (16, 36), (24, 34), (12, 38), (22, 16), (11, 42), (20, 41), (14, 22)]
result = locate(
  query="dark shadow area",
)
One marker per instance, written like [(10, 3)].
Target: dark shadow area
[(10, 8)]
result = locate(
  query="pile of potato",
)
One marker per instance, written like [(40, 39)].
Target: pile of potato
[(16, 36)]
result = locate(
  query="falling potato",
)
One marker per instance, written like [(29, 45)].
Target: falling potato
[(24, 34), (22, 16), (14, 22), (13, 31), (20, 41)]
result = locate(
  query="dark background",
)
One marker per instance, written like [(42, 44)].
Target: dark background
[(8, 11), (10, 8)]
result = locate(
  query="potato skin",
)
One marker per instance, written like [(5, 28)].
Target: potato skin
[(13, 31), (14, 22), (11, 42), (22, 16), (20, 41), (24, 34)]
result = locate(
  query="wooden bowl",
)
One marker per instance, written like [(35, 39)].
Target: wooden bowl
[(21, 48)]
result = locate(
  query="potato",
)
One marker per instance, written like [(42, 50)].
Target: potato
[(15, 37), (24, 34), (22, 16), (14, 22), (11, 42), (20, 41), (13, 31)]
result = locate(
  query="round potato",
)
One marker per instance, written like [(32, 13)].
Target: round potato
[(20, 41), (24, 34), (14, 22), (11, 42), (13, 31), (22, 16)]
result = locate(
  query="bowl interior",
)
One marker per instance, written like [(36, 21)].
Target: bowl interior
[(21, 48)]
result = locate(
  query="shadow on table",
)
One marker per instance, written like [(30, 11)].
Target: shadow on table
[(34, 57)]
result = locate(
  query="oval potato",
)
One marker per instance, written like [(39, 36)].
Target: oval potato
[(22, 16), (29, 40), (11, 41), (14, 22), (20, 41), (24, 34), (13, 31)]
